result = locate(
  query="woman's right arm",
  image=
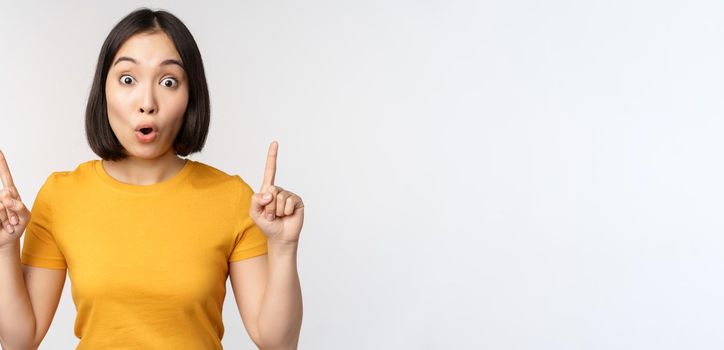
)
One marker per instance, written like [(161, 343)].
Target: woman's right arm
[(29, 296), (17, 321)]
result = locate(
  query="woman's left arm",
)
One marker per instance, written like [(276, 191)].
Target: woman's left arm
[(280, 314), (268, 296), (279, 214)]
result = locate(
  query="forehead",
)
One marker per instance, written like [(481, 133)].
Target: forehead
[(148, 48)]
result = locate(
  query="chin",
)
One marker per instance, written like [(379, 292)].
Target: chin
[(149, 153)]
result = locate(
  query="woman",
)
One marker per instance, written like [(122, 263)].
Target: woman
[(149, 238)]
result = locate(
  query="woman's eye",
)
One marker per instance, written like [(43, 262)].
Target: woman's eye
[(169, 82), (126, 79)]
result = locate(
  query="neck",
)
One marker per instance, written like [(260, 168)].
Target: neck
[(140, 171)]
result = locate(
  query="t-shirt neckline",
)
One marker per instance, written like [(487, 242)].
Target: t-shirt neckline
[(143, 189)]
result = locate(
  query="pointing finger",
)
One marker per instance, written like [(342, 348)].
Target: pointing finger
[(7, 179), (271, 167)]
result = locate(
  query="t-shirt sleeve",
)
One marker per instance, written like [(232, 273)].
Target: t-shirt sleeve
[(39, 246), (249, 240)]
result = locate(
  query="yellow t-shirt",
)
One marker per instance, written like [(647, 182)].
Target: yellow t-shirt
[(147, 264)]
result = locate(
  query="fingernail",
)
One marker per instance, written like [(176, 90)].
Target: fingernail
[(267, 195), (14, 220), (270, 217), (9, 228)]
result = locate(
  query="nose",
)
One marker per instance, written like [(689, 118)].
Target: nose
[(150, 110), (148, 102)]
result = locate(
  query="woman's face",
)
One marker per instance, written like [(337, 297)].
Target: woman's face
[(146, 87)]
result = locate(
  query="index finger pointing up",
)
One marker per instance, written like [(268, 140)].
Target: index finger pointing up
[(5, 172), (271, 166)]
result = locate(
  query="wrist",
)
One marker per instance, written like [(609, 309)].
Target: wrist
[(276, 246), (12, 248)]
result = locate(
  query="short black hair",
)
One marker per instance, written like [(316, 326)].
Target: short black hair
[(192, 135)]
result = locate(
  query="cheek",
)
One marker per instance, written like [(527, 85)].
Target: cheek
[(177, 109), (117, 105), (181, 102), (114, 103), (112, 109), (113, 112)]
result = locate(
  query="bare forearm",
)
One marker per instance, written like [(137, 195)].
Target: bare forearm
[(280, 317), (17, 321)]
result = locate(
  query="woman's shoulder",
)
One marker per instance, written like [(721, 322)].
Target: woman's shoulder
[(61, 180), (82, 170), (210, 174)]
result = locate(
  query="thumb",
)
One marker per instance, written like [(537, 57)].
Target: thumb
[(259, 201)]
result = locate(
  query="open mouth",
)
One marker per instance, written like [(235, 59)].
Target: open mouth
[(146, 134)]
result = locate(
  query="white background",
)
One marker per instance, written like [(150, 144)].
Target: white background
[(476, 174)]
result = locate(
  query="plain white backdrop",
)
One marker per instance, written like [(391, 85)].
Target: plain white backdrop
[(476, 174)]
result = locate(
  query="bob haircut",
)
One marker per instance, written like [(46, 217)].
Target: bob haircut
[(192, 135)]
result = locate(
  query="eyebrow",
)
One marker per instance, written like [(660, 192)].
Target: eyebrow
[(164, 63)]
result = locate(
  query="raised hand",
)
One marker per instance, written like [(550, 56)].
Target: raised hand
[(14, 216), (278, 213)]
